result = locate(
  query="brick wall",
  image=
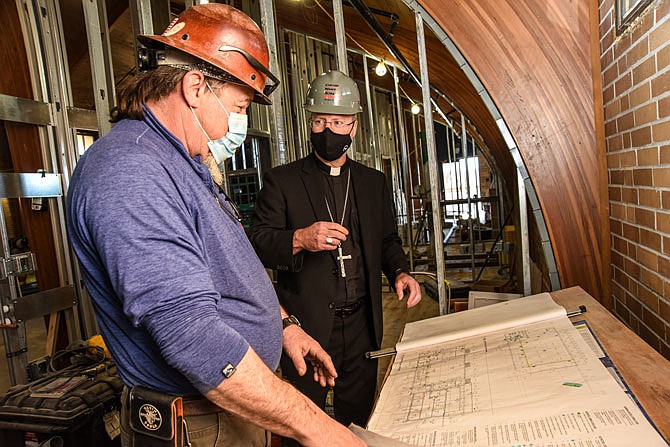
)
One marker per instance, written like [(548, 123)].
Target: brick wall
[(636, 85)]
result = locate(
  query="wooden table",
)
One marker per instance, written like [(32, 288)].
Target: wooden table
[(645, 370)]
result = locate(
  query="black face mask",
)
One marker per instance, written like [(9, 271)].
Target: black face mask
[(330, 145)]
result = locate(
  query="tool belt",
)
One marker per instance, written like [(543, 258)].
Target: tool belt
[(349, 309), (157, 419)]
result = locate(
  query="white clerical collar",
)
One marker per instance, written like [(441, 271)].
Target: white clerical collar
[(335, 170)]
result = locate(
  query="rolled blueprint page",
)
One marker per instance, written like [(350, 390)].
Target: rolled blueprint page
[(496, 317)]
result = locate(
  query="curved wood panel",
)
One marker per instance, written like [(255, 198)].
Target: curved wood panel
[(535, 60)]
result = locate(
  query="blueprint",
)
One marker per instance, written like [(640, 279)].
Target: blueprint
[(538, 384)]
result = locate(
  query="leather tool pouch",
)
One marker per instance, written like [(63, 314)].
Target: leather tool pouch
[(156, 419)]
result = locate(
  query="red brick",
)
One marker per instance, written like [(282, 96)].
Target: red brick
[(648, 298), (660, 84), (622, 45), (653, 281), (663, 58), (617, 211), (665, 199), (661, 131), (641, 137), (631, 232), (625, 82), (641, 29), (617, 259), (610, 74), (666, 245), (610, 127), (663, 222), (652, 321), (607, 40), (649, 197), (664, 107), (630, 214), (628, 177), (606, 58), (631, 268), (647, 156), (627, 140), (625, 122), (617, 291), (616, 228), (640, 94), (639, 50), (659, 36), (629, 195), (664, 310), (650, 337), (621, 312), (645, 114), (616, 177), (621, 278), (651, 239), (643, 177), (614, 144), (642, 71), (665, 154), (624, 103), (664, 266), (632, 288), (622, 64), (647, 258), (605, 23), (608, 93), (612, 110), (662, 10), (620, 245), (612, 160), (628, 159), (661, 177), (645, 217), (614, 194)]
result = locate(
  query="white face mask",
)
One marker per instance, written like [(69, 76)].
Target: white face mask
[(225, 147)]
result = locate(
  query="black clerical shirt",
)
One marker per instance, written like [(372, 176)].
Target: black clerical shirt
[(351, 287)]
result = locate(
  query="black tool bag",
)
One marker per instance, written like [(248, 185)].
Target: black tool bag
[(156, 419), (81, 407)]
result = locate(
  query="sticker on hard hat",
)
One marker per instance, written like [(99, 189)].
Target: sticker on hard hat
[(174, 28), (330, 90)]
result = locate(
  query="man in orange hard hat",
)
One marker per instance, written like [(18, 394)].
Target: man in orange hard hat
[(184, 305)]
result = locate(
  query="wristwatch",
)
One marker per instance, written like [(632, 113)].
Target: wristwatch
[(291, 319)]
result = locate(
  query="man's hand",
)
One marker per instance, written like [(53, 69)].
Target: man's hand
[(299, 346), (405, 282), (319, 236)]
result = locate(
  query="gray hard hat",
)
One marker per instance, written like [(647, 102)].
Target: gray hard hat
[(333, 93)]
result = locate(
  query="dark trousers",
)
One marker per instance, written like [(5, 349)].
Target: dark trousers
[(356, 383)]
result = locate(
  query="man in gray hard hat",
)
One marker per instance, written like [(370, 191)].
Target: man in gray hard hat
[(326, 224)]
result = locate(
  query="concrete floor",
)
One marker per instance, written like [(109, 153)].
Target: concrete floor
[(396, 315)]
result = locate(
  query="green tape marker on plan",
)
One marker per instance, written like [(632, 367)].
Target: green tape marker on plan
[(574, 384)]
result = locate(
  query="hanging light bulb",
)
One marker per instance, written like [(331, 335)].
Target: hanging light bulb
[(380, 69), (416, 108)]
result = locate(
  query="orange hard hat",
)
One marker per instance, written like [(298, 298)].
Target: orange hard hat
[(223, 37)]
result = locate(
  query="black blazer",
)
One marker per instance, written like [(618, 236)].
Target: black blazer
[(292, 197)]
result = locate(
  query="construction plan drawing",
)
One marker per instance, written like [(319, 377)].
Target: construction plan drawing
[(514, 374)]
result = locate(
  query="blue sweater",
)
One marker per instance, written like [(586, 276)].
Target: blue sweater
[(177, 289)]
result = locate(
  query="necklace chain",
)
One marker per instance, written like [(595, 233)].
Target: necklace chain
[(346, 198)]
